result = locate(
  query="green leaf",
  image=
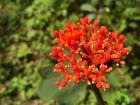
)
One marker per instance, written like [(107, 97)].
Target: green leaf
[(70, 95), (113, 80), (91, 16), (87, 7), (133, 25), (130, 11), (122, 25), (23, 50), (117, 96)]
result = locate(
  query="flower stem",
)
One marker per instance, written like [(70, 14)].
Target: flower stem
[(97, 94)]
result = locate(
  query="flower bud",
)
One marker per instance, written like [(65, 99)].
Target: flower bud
[(124, 51)]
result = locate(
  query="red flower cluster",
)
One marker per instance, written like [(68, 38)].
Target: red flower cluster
[(86, 53)]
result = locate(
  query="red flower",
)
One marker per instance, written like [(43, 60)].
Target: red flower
[(84, 53)]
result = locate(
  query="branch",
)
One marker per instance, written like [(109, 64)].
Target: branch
[(97, 94)]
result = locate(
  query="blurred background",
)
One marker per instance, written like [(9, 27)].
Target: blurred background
[(26, 38)]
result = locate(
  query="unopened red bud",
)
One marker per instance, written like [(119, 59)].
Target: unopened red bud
[(107, 57), (95, 24), (73, 42), (99, 44), (61, 84), (68, 25), (122, 62), (99, 85), (87, 47), (86, 72), (109, 69), (124, 51), (79, 59), (110, 35), (75, 79), (86, 19), (73, 25), (88, 27), (110, 49), (121, 38), (54, 54), (102, 30), (60, 60), (107, 86), (114, 56), (120, 46), (59, 65), (54, 48), (75, 67), (115, 34), (95, 71), (56, 33), (93, 78), (58, 40), (103, 67), (85, 62), (56, 70)]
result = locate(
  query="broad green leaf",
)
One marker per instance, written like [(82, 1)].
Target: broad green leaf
[(71, 94)]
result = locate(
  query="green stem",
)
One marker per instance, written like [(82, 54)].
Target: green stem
[(97, 94)]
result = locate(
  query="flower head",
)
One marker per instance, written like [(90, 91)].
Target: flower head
[(86, 53)]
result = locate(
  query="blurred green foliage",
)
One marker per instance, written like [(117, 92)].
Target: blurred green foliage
[(26, 38)]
